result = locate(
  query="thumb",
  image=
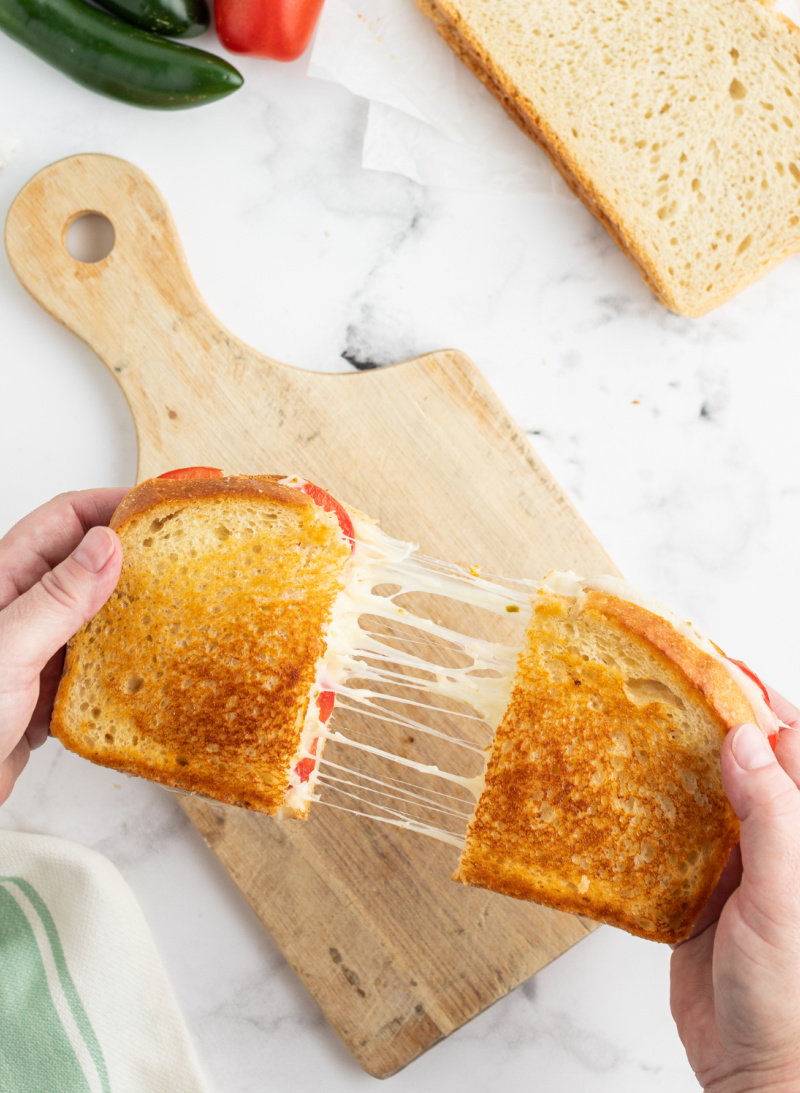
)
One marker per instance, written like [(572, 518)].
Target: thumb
[(35, 625), (767, 802)]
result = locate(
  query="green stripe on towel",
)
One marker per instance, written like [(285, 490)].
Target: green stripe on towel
[(46, 1039)]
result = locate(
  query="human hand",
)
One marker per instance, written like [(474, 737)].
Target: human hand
[(735, 985), (58, 566)]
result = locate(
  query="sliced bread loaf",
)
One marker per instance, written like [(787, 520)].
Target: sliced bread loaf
[(677, 123)]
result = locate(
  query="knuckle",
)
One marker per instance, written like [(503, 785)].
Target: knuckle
[(60, 588), (62, 507), (784, 803), (64, 498)]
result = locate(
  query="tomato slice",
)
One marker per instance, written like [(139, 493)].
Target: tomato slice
[(193, 472), (773, 737), (304, 768), (325, 703), (752, 675), (330, 504)]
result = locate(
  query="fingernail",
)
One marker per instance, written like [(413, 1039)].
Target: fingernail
[(750, 747), (94, 549)]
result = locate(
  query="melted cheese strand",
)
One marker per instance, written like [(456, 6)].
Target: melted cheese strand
[(374, 641), (431, 574), (407, 825), (443, 809), (474, 785), (394, 783), (409, 723), (486, 690)]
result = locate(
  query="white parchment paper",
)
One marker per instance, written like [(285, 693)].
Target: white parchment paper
[(429, 117)]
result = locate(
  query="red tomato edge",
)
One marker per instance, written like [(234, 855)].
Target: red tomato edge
[(752, 675), (325, 703), (329, 503), (740, 664), (193, 472)]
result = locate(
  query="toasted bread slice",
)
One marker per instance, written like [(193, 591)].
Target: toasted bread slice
[(677, 125), (603, 794), (198, 671)]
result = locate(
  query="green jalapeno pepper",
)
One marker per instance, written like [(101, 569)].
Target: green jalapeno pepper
[(171, 18), (116, 59)]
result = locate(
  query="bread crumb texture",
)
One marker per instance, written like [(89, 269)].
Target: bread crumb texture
[(677, 123), (197, 671), (603, 790)]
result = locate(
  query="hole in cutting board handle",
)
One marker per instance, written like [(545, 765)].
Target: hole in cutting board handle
[(90, 238)]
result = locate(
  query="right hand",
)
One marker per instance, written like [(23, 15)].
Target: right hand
[(736, 983), (58, 566)]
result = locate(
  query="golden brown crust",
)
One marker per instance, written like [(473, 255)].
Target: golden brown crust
[(601, 798), (155, 490), (707, 674), (198, 670)]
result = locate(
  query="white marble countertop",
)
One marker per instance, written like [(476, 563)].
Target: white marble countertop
[(677, 440)]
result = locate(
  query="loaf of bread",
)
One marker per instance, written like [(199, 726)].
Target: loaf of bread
[(678, 125)]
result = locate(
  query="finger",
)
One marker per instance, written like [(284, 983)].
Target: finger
[(727, 884), (787, 751), (42, 539), (39, 725), (12, 767), (788, 713), (691, 995), (788, 747), (35, 626), (767, 802)]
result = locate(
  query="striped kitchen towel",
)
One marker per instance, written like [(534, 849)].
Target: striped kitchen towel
[(85, 1006)]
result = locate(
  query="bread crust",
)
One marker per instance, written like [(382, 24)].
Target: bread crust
[(599, 805), (705, 672), (154, 491), (636, 246), (469, 52), (197, 673)]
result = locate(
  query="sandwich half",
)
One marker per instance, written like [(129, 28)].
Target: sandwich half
[(203, 670), (603, 794)]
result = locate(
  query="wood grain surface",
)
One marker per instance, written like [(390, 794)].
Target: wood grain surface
[(396, 955)]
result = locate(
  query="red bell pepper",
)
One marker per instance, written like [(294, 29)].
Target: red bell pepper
[(278, 29)]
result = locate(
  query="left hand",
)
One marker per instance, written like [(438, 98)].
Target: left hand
[(58, 566)]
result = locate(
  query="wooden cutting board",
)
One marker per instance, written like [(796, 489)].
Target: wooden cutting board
[(396, 955)]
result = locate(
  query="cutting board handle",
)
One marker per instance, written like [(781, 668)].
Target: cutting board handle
[(129, 303), (76, 292)]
